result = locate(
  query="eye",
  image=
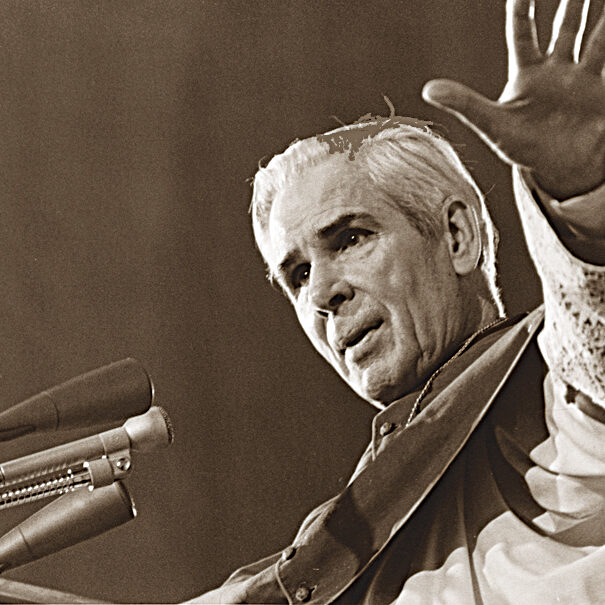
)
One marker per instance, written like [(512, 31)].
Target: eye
[(300, 275), (351, 237)]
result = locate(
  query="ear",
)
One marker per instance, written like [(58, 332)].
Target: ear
[(462, 234)]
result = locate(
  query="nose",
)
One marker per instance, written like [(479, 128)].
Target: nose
[(328, 290)]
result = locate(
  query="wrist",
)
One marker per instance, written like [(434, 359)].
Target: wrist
[(578, 220)]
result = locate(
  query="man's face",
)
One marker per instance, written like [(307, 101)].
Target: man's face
[(378, 301)]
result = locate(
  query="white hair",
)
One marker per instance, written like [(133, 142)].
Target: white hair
[(404, 160)]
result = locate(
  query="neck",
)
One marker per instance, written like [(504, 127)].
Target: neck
[(483, 309), (488, 312)]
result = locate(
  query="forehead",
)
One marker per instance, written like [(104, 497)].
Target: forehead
[(310, 201), (325, 183)]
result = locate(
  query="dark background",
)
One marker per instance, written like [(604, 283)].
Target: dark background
[(128, 133)]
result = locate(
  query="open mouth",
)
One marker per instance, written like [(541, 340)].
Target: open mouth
[(359, 336)]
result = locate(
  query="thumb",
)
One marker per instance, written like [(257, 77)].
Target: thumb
[(471, 108)]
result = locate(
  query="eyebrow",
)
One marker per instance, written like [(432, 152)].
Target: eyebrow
[(340, 222)]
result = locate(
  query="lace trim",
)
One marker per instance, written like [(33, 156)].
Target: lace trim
[(573, 339)]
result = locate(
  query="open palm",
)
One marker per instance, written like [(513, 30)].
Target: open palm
[(550, 117)]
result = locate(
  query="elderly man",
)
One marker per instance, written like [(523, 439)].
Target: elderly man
[(485, 478)]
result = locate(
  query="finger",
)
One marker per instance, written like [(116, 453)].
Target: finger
[(593, 58), (567, 29), (474, 110), (521, 36)]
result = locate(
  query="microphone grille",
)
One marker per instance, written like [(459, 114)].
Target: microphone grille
[(168, 422)]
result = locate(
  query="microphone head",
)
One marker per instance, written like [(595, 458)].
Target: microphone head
[(68, 520), (106, 395), (150, 430)]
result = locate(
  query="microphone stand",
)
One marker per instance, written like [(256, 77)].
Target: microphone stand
[(97, 463), (83, 474)]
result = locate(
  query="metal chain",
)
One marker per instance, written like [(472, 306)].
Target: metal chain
[(416, 407)]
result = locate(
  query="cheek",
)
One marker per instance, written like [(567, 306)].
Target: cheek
[(393, 284), (410, 292)]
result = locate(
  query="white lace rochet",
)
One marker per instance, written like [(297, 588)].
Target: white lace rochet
[(573, 339)]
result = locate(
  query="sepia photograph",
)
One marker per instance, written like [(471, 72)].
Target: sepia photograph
[(303, 301)]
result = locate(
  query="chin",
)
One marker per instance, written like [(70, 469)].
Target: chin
[(378, 386), (379, 395), (381, 392)]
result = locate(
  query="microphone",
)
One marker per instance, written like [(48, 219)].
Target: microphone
[(106, 395), (92, 461), (68, 520)]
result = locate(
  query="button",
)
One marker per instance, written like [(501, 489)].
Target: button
[(288, 553), (386, 428), (302, 594)]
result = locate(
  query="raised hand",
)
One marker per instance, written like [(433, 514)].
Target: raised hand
[(550, 117)]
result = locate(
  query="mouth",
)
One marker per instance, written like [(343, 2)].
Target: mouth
[(357, 337)]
